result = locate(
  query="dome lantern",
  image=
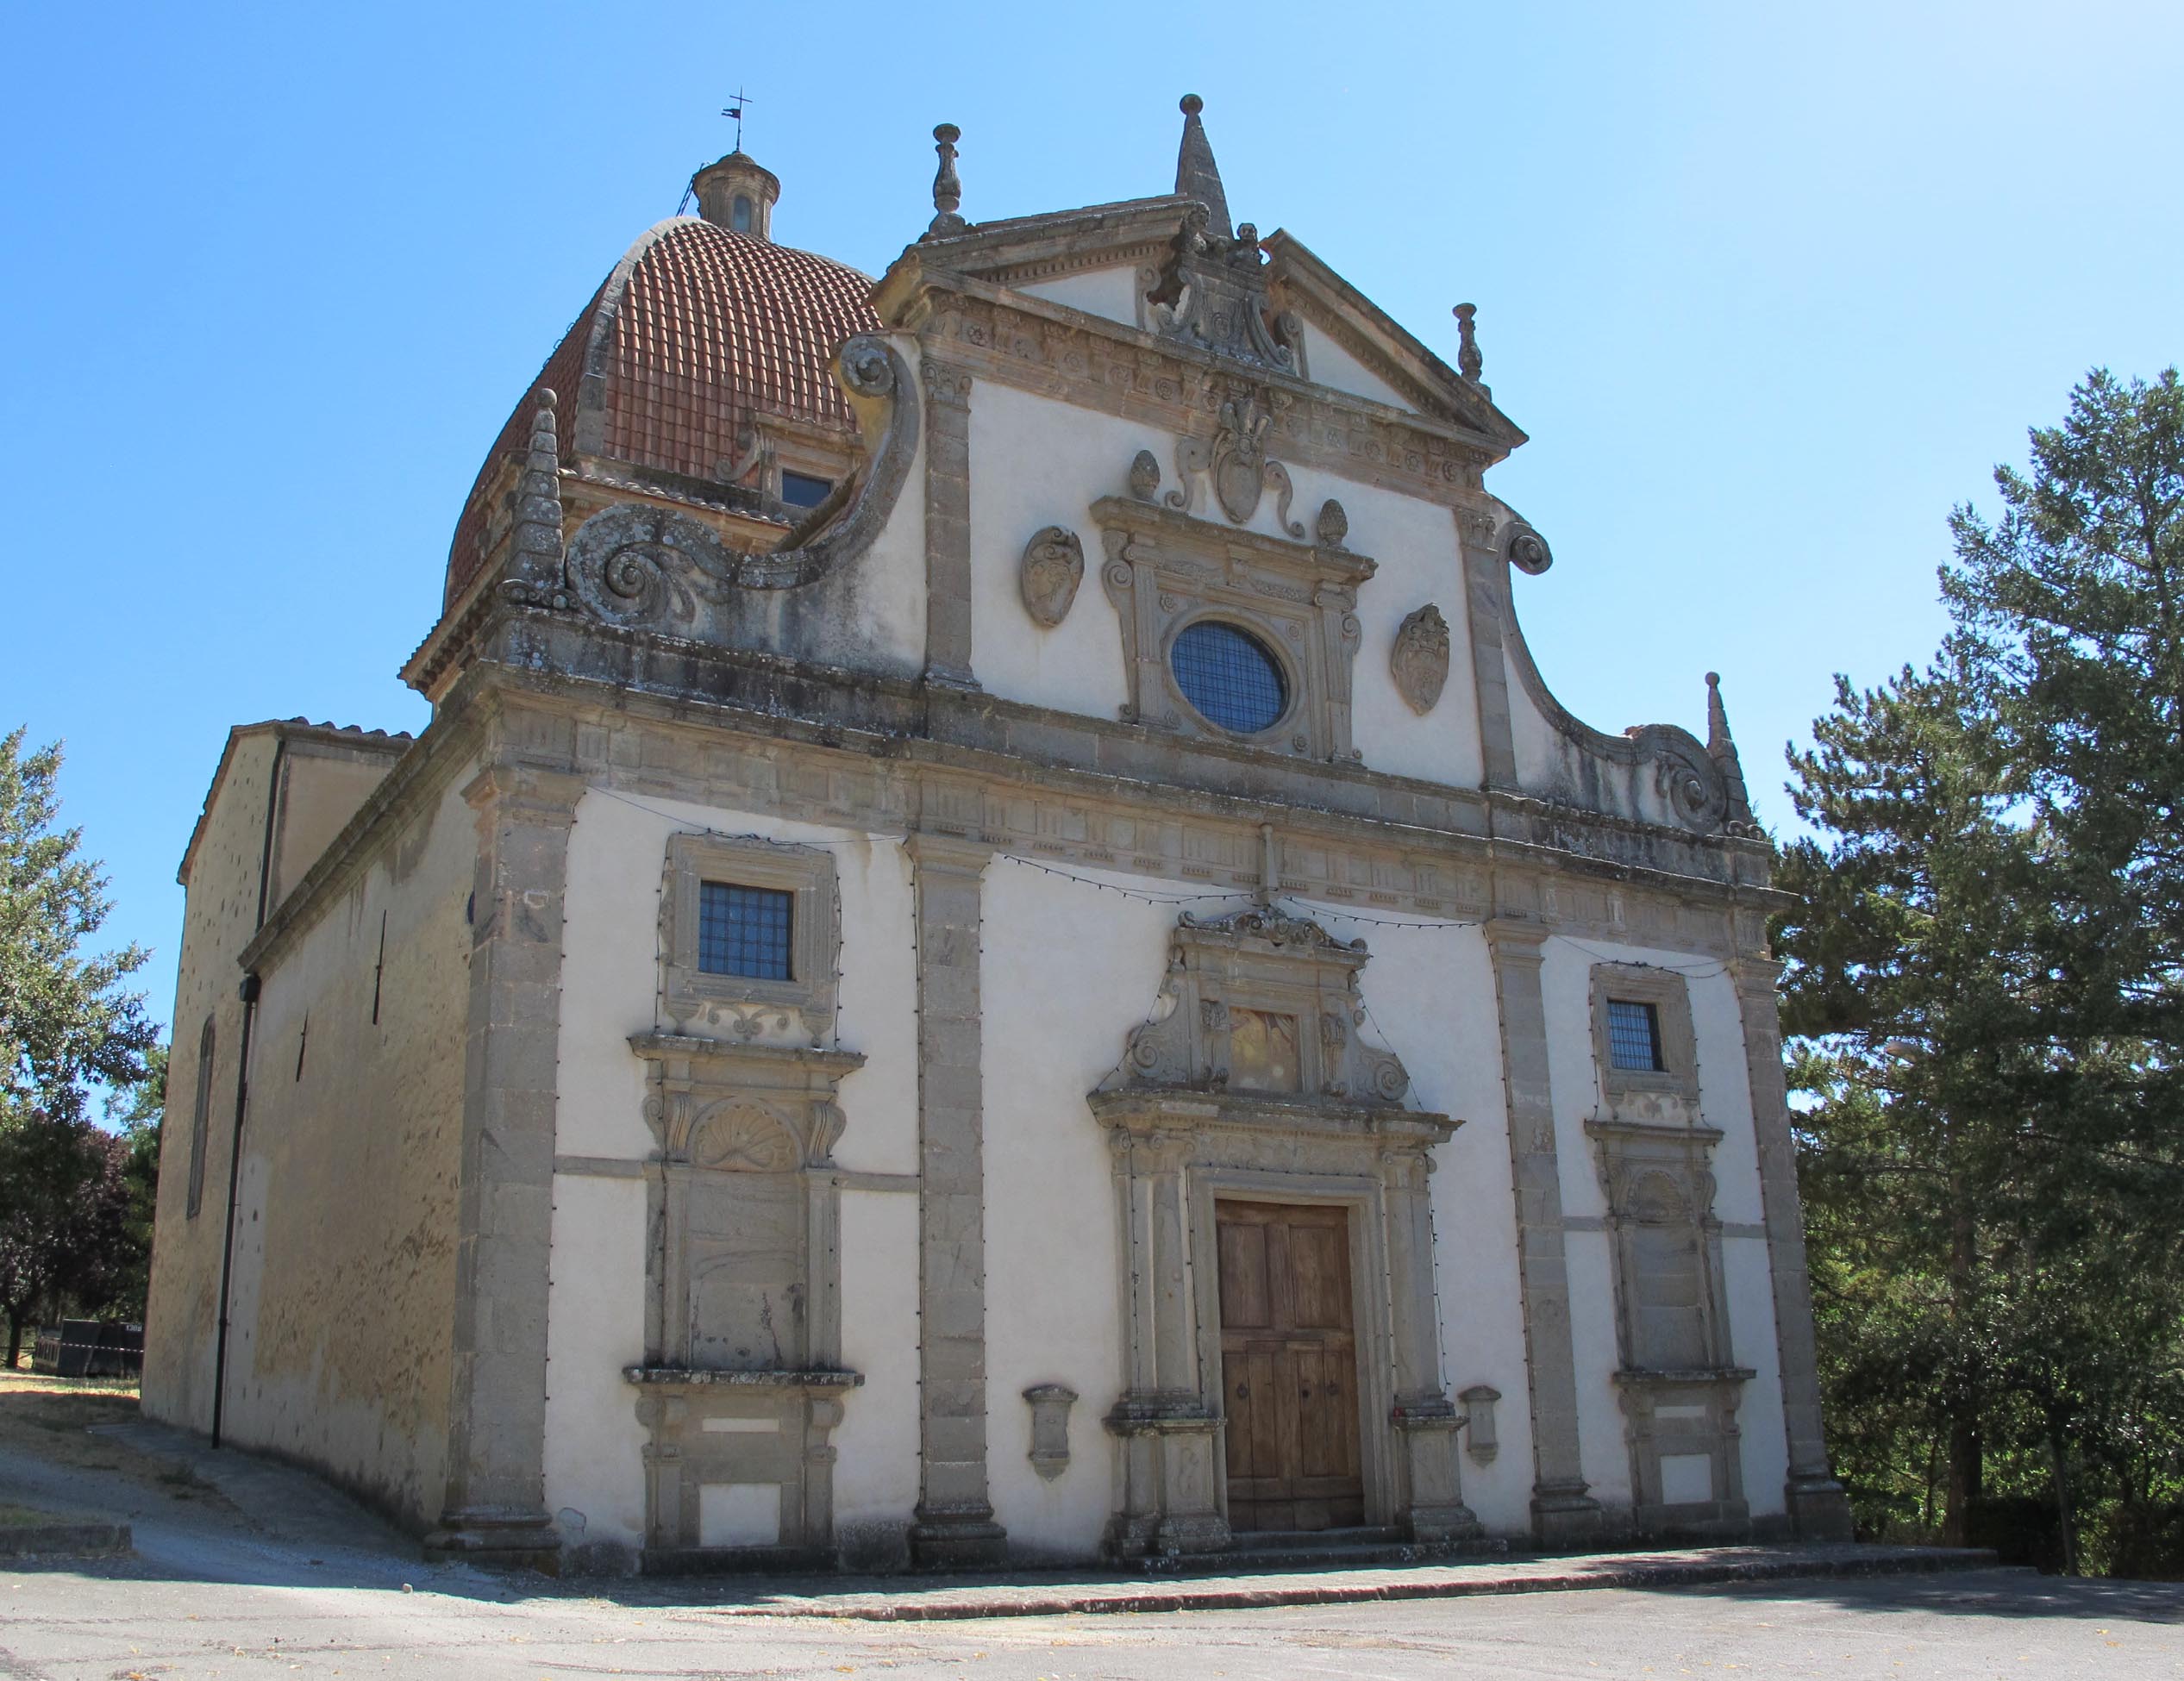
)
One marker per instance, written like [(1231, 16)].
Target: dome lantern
[(737, 194)]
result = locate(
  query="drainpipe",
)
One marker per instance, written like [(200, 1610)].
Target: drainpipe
[(249, 993)]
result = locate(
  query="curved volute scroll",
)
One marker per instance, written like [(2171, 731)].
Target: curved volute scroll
[(1698, 782), (635, 564)]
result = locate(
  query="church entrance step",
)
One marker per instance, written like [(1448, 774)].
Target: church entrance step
[(1317, 1549)]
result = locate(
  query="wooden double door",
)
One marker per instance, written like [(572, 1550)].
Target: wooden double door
[(1288, 1367)]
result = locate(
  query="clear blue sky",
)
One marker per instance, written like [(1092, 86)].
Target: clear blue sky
[(1770, 288)]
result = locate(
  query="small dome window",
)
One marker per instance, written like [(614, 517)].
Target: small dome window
[(1230, 676), (740, 213)]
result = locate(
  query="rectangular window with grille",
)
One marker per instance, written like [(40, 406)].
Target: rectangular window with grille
[(744, 930), (805, 490), (1634, 1036)]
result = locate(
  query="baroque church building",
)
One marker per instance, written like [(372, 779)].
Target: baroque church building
[(995, 952)]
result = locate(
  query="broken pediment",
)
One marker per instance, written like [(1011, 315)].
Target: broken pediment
[(1263, 1003)]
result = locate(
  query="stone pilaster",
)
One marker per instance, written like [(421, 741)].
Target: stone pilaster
[(948, 524), (954, 1525), (1485, 577), (1430, 1495), (494, 1505), (1563, 1513), (1818, 1508)]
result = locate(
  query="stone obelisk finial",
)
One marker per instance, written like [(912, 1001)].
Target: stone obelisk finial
[(947, 186), (1722, 749), (536, 549), (1197, 175)]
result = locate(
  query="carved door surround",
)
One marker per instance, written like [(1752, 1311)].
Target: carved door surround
[(1167, 570), (742, 1382), (1251, 1084)]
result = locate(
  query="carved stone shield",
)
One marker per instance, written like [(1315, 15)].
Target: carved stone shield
[(1054, 566), (1419, 660)]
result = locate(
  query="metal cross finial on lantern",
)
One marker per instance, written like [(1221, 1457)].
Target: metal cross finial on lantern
[(735, 109), (1468, 360), (947, 187)]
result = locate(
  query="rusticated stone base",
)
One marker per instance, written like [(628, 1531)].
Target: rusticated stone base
[(957, 1540), (1820, 1510)]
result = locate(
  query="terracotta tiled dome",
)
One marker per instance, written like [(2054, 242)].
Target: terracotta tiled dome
[(697, 331)]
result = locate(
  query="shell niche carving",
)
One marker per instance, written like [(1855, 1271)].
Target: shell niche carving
[(743, 1138), (1054, 566), (1419, 660)]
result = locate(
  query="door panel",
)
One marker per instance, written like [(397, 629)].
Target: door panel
[(1288, 1367)]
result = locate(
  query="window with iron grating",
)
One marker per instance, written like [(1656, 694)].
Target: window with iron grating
[(1230, 676), (744, 930), (1634, 1036)]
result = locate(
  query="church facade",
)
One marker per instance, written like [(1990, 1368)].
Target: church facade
[(995, 952)]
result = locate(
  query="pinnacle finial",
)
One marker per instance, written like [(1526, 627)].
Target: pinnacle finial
[(1722, 749), (1197, 175), (535, 547), (947, 187)]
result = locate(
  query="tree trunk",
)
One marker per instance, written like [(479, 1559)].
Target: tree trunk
[(1967, 1458), (14, 1340), (2065, 1529)]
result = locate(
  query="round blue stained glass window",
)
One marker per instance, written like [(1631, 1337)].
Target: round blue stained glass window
[(1230, 676)]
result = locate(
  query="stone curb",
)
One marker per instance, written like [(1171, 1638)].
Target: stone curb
[(1341, 1587), (65, 1541)]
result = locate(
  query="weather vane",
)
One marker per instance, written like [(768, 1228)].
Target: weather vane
[(735, 109)]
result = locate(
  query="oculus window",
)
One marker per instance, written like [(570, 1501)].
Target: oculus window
[(745, 930), (805, 490), (1634, 1036), (1230, 676)]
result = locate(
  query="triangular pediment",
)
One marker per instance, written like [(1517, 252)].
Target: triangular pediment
[(1303, 283)]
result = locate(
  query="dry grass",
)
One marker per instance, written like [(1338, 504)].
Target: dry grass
[(50, 1418)]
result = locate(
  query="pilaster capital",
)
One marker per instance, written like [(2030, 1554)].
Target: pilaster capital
[(932, 850), (526, 793), (1515, 938), (944, 381)]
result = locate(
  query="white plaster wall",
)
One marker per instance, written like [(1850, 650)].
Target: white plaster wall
[(1111, 293), (1764, 1442), (618, 850), (1414, 544), (1069, 971), (1328, 364), (1431, 995), (1036, 461), (595, 1327), (875, 1474)]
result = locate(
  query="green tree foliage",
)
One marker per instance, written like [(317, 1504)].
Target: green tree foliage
[(1986, 980), (68, 1026)]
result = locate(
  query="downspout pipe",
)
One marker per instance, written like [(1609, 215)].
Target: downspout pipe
[(249, 992)]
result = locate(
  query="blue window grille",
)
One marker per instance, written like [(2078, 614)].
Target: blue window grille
[(1230, 676), (744, 930), (1634, 1036)]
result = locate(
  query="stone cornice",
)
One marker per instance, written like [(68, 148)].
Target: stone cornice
[(1035, 345)]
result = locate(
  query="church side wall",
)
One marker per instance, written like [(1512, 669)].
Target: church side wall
[(343, 1298), (596, 1313), (218, 915), (1038, 462), (1724, 1101)]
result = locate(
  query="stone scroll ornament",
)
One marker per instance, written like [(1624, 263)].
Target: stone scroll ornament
[(1054, 566), (632, 564), (1237, 462), (1419, 660)]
